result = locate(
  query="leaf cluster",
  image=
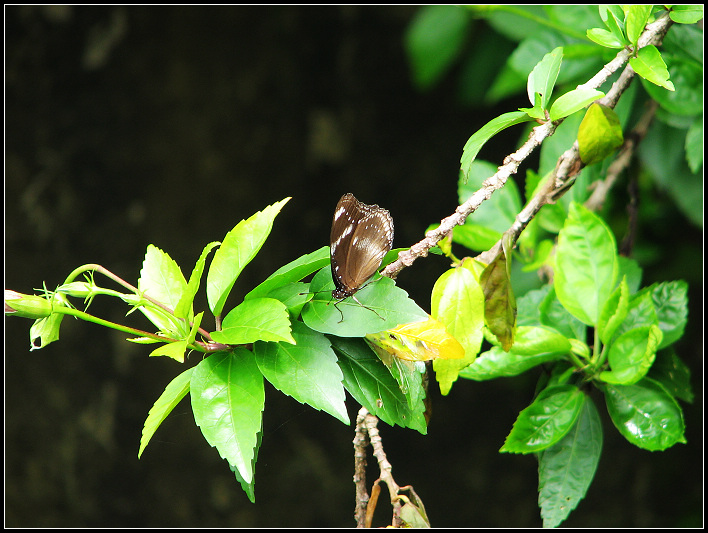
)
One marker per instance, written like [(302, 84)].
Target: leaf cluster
[(501, 65), (590, 327), (285, 331)]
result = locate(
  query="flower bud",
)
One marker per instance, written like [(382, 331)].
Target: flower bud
[(77, 289), (26, 305)]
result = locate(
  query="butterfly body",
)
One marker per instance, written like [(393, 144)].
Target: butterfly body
[(360, 238)]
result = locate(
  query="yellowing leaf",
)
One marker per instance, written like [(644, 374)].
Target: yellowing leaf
[(499, 300), (419, 341), (458, 302)]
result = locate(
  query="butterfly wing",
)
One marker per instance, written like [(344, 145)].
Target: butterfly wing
[(360, 238), (372, 240)]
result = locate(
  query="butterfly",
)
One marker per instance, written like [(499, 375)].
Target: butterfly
[(360, 238)]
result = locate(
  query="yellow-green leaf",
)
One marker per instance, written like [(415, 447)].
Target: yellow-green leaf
[(599, 134), (168, 400), (419, 341)]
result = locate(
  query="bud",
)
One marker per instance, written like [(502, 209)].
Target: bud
[(26, 305), (77, 289)]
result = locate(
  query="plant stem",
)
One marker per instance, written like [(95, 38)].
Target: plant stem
[(120, 327), (91, 267)]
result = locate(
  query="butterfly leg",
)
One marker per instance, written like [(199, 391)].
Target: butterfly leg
[(340, 312), (365, 307)]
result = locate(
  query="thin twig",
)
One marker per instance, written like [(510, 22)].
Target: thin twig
[(361, 441), (569, 164), (368, 432), (566, 170)]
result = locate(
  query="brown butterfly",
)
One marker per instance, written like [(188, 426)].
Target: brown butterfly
[(361, 236)]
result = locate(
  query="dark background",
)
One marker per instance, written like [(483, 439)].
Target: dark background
[(131, 126)]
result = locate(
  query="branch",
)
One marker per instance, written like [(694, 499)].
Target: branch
[(497, 181), (367, 433), (208, 346), (567, 168), (569, 164), (361, 441)]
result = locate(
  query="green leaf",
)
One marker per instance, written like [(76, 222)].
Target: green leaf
[(195, 327), (554, 315), (663, 156), (573, 101), (292, 272), (604, 38), (174, 350), (239, 247), (293, 295), (613, 312), (641, 312), (613, 17), (673, 374), (472, 82), (407, 373), (528, 306), (371, 384), (507, 82), (434, 40), (637, 18), (686, 96), (536, 112), (686, 14), (162, 280), (671, 305), (163, 406), (649, 65), (532, 347), (694, 146), (645, 414), (306, 371), (685, 41), (664, 304), (474, 236), (259, 319), (388, 306), (475, 143), (457, 301), (46, 330), (599, 135), (525, 21), (249, 487), (543, 77), (630, 269), (183, 309), (228, 399), (566, 469), (631, 355), (546, 421), (585, 265)]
